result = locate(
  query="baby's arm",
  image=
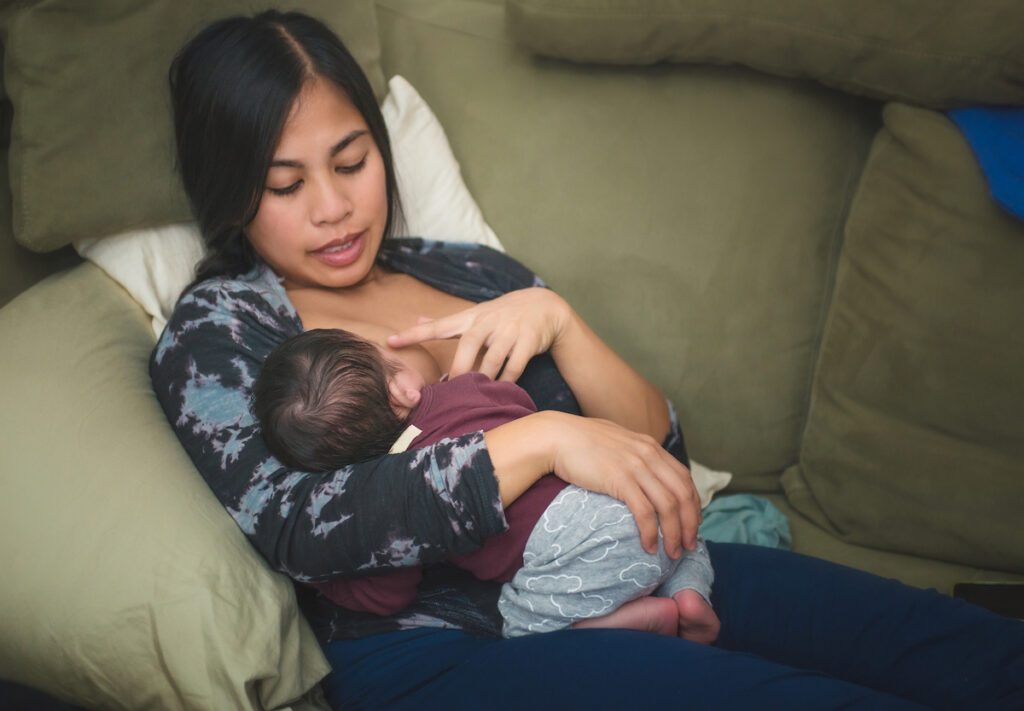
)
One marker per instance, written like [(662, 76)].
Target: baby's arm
[(385, 594)]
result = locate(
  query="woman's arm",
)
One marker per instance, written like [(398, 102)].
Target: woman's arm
[(632, 466), (506, 332), (417, 507), (602, 456), (605, 385)]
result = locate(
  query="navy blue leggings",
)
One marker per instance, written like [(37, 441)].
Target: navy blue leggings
[(797, 632)]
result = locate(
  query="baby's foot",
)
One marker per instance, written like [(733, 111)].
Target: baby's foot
[(647, 614), (697, 621)]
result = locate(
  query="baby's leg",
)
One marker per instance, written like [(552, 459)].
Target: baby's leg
[(696, 620), (689, 586), (583, 561)]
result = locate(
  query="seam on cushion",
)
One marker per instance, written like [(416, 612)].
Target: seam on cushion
[(17, 178), (849, 40), (382, 5), (831, 286)]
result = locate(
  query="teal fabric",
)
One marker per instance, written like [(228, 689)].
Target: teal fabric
[(743, 518)]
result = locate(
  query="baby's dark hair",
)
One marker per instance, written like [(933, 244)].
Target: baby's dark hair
[(322, 401)]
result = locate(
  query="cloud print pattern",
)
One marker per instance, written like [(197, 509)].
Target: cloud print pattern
[(584, 559)]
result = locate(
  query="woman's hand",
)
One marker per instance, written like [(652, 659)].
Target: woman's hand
[(602, 456), (510, 329)]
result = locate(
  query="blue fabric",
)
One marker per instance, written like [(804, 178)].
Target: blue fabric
[(742, 518), (996, 135), (797, 632)]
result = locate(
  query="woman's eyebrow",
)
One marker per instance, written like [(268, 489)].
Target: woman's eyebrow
[(335, 150)]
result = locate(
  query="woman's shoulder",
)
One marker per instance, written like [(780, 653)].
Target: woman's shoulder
[(471, 270), (259, 289), (246, 311)]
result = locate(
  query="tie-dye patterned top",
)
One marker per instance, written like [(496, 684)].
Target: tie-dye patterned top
[(413, 508)]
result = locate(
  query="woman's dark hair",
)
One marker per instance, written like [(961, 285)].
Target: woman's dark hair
[(322, 401), (232, 87)]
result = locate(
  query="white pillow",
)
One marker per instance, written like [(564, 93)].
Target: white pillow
[(154, 265), (708, 481), (435, 201)]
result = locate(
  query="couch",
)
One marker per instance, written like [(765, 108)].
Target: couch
[(766, 211)]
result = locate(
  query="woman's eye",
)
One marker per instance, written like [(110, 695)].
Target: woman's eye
[(355, 167), (287, 190)]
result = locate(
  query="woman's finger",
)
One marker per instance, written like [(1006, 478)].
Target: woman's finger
[(524, 349), (427, 330), (677, 478), (643, 512), (465, 354), (667, 507), (496, 354), (414, 334)]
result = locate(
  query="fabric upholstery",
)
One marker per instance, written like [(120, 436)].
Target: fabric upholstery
[(690, 215), (926, 52), (915, 436)]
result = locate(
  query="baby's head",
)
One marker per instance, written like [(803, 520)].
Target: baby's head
[(327, 398)]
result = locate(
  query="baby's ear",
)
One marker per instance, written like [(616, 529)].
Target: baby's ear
[(402, 397)]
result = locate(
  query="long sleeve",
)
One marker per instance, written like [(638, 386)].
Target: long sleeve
[(399, 510), (674, 443)]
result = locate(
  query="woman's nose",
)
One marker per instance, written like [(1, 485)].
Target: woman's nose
[(331, 204)]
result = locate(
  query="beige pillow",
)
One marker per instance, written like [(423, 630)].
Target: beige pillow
[(915, 435), (92, 145), (125, 583), (936, 54)]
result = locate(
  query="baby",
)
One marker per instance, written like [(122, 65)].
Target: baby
[(570, 557)]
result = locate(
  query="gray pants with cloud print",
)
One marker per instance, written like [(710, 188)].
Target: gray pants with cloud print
[(584, 559)]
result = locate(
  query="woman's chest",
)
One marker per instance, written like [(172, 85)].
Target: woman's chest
[(374, 313)]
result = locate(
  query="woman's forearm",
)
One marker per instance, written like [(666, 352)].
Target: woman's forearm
[(521, 451), (604, 384)]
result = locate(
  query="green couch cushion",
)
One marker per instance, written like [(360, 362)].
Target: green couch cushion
[(935, 54), (915, 436), (691, 215), (92, 149), (19, 268), (811, 539), (125, 583)]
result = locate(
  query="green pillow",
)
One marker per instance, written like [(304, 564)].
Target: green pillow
[(125, 582), (92, 148), (915, 435), (692, 215), (19, 268), (935, 54)]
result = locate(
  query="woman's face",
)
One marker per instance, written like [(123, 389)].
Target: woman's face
[(324, 206)]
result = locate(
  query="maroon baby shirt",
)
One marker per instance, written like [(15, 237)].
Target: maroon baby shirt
[(468, 403)]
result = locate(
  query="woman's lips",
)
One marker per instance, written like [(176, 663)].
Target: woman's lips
[(341, 253)]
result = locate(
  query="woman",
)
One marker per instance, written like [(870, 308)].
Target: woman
[(286, 161)]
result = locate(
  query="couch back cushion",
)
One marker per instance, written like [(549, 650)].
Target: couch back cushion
[(92, 148), (922, 51), (915, 436), (19, 268), (691, 215)]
